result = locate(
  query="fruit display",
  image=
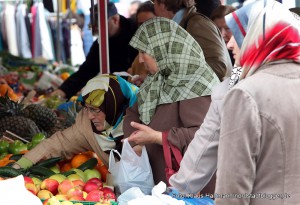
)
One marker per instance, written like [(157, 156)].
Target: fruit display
[(81, 183)]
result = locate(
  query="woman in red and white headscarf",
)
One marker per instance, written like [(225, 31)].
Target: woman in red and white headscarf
[(259, 147)]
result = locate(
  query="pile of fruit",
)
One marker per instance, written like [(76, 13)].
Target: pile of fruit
[(82, 182)]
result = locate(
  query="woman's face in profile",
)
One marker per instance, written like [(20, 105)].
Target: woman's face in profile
[(149, 62), (233, 46), (96, 115)]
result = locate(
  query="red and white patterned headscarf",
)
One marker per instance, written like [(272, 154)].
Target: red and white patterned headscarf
[(266, 31)]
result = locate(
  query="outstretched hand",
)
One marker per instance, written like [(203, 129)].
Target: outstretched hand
[(144, 135)]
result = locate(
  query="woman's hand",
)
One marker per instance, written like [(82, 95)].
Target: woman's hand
[(144, 135)]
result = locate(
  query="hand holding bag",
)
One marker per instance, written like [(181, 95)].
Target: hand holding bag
[(132, 170)]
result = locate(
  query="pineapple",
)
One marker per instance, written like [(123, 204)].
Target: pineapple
[(44, 117), (11, 119), (19, 125), (66, 116)]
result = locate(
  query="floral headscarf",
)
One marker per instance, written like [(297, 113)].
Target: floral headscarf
[(112, 94), (266, 32), (183, 72)]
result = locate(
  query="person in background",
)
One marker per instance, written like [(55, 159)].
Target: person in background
[(259, 147), (206, 7), (98, 126), (121, 55), (137, 69), (175, 96), (201, 28), (218, 17), (133, 7)]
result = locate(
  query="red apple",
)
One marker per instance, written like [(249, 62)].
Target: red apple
[(61, 197), (44, 194), (32, 188), (50, 185), (90, 186), (97, 181), (28, 180), (95, 196), (108, 194), (65, 186), (74, 192), (78, 184), (76, 198)]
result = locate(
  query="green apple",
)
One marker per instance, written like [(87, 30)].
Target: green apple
[(58, 177), (91, 173), (80, 173), (73, 177)]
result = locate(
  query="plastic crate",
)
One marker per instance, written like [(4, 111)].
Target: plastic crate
[(90, 202)]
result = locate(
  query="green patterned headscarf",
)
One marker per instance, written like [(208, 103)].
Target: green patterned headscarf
[(183, 72)]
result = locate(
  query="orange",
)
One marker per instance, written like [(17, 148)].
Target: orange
[(64, 75), (66, 167), (78, 160), (103, 171)]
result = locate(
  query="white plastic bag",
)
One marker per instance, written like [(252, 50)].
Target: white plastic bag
[(13, 191), (132, 170), (157, 197)]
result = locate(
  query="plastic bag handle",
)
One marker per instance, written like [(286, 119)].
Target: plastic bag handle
[(112, 157)]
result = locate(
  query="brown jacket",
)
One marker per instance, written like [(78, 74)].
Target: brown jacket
[(182, 119), (78, 138), (207, 34)]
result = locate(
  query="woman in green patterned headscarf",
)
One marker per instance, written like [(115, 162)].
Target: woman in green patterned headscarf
[(175, 96)]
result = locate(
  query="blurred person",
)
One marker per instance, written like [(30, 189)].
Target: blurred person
[(98, 126), (206, 7), (175, 96), (133, 7), (137, 69), (218, 17), (201, 28), (259, 154), (121, 55)]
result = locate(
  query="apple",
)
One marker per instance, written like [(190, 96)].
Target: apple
[(58, 177), (95, 196), (84, 194), (90, 186), (80, 173), (108, 194), (91, 173), (44, 194), (79, 184), (61, 197), (74, 192), (73, 177), (53, 201), (76, 198), (37, 182), (28, 180), (65, 186), (46, 202), (97, 181), (32, 188), (50, 185), (66, 203)]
